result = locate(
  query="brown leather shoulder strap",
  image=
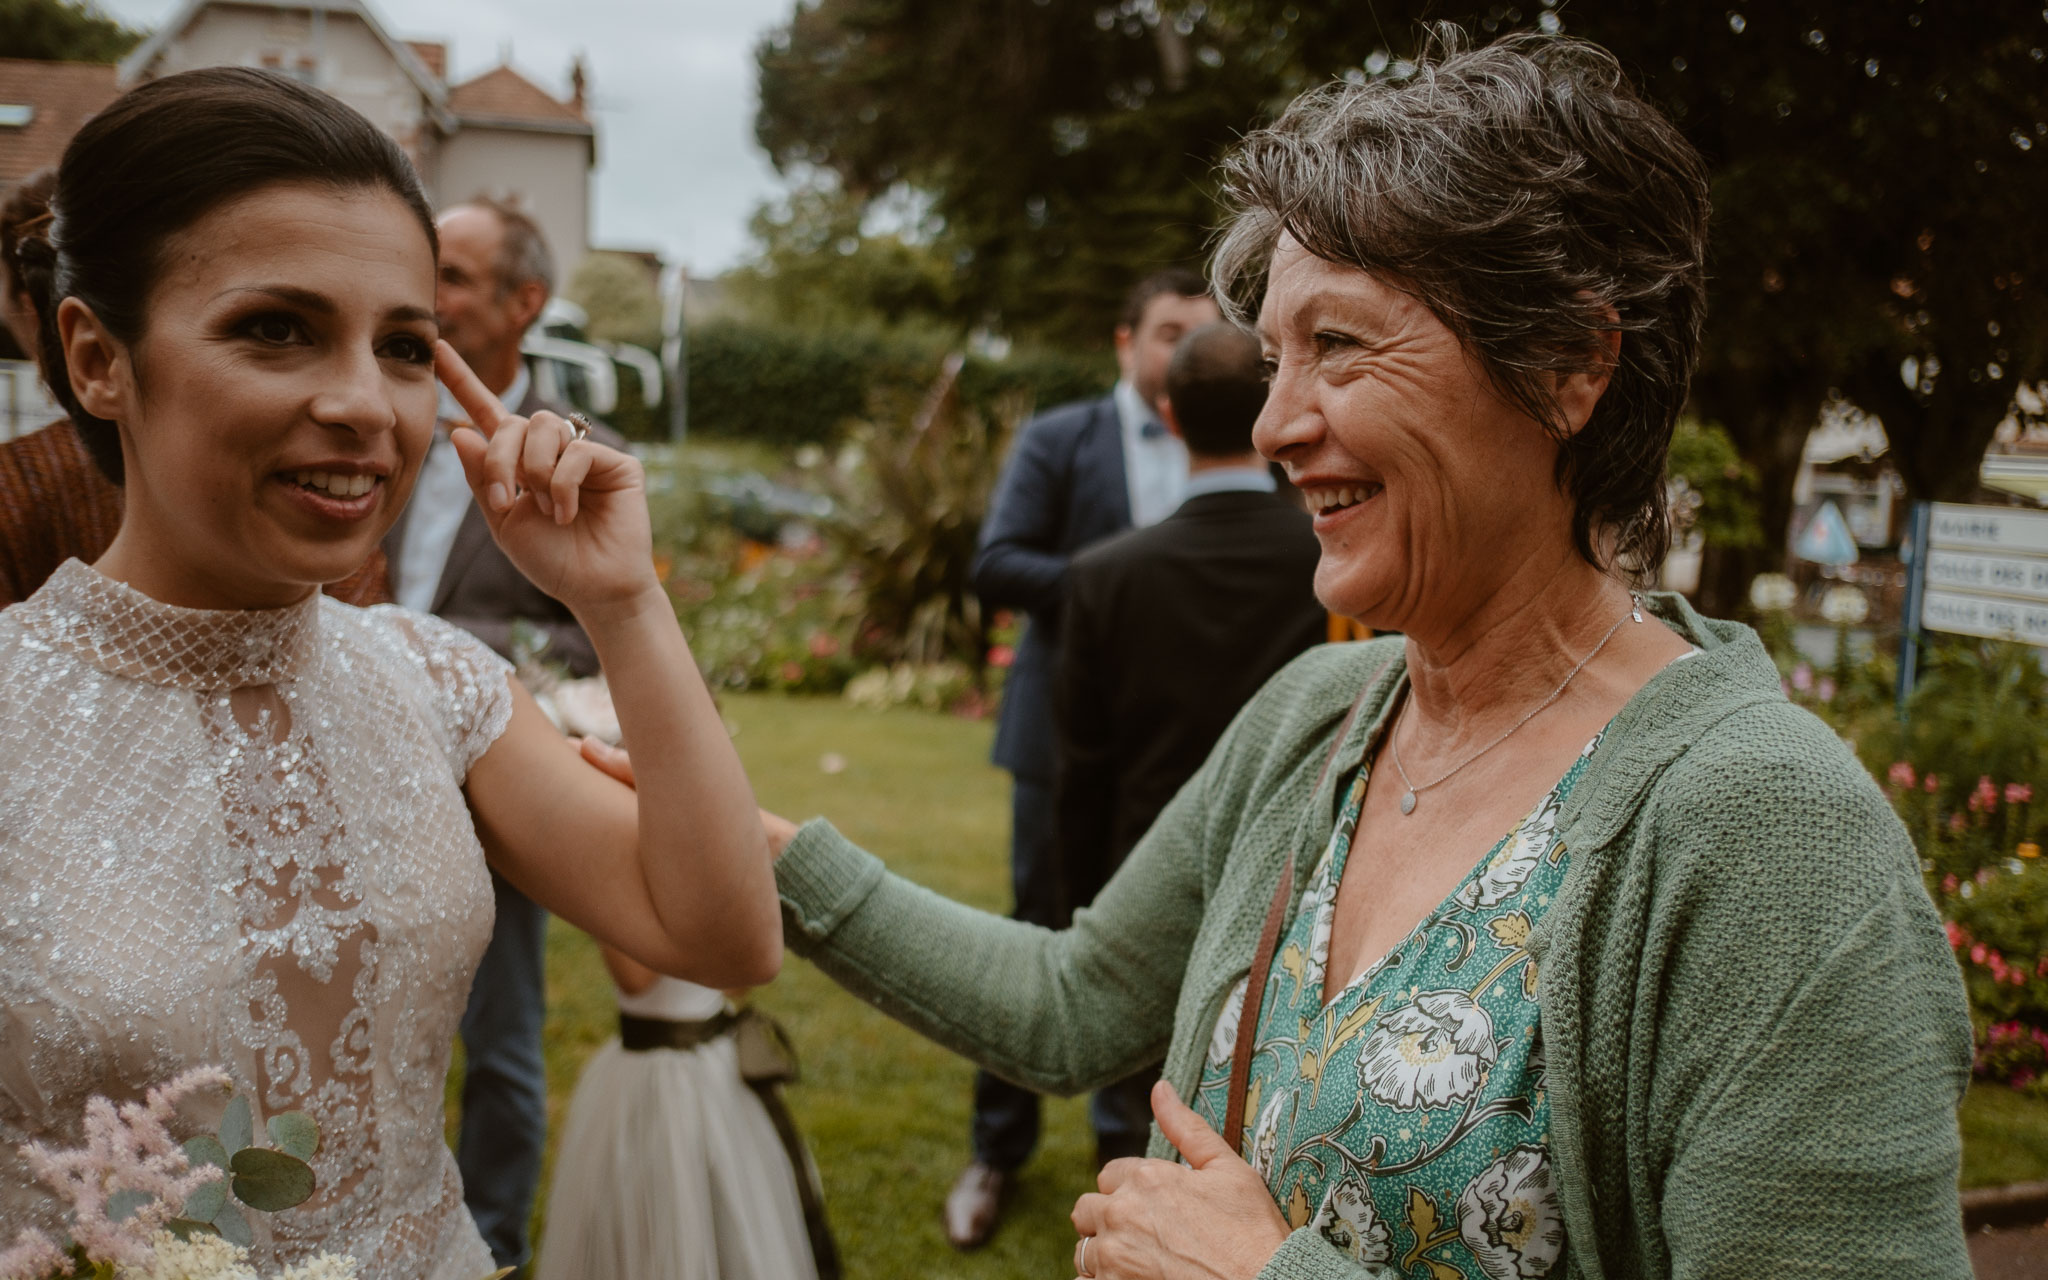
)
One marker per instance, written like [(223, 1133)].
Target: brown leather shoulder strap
[(1262, 959)]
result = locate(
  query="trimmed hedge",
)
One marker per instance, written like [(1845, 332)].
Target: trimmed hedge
[(787, 387)]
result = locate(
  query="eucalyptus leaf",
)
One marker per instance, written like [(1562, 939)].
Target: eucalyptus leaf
[(270, 1180), (206, 1149), (232, 1226), (237, 1129), (186, 1228), (203, 1204), (294, 1133), (122, 1205)]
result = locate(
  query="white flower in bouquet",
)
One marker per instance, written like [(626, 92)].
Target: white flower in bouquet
[(1772, 592), (1844, 606)]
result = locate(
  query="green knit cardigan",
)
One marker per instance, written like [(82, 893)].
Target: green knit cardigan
[(1756, 1034)]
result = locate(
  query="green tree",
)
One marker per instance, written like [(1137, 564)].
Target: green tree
[(62, 31), (820, 267), (620, 298), (1876, 168)]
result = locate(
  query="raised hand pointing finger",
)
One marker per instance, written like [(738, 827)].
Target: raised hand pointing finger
[(483, 409)]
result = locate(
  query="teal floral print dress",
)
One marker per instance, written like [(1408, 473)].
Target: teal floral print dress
[(1406, 1119)]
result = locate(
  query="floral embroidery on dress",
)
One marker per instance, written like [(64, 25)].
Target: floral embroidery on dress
[(1407, 1118)]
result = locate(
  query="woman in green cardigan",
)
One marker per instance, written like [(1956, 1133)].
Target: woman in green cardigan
[(1589, 954)]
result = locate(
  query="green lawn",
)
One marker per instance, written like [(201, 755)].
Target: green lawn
[(886, 1112), (2005, 1137)]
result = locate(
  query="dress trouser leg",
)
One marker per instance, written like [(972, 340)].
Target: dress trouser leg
[(1006, 1115), (505, 1088)]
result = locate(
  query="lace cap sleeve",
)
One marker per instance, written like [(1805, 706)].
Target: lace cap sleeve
[(468, 684)]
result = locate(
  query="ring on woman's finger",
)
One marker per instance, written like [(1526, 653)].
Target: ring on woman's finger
[(580, 425), (1081, 1259)]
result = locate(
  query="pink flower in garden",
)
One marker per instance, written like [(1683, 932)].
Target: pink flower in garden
[(1948, 885), (1985, 798), (1954, 930), (2018, 793), (1827, 689), (1802, 678), (1001, 655), (793, 672), (1977, 953), (1955, 822), (1984, 875), (1930, 784), (1902, 775), (2022, 1078), (824, 644)]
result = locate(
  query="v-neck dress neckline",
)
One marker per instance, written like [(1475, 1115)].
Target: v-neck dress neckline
[(1407, 1119)]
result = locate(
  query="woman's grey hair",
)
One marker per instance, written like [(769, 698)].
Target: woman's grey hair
[(1526, 195)]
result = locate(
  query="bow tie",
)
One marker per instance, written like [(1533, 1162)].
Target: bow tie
[(1152, 429)]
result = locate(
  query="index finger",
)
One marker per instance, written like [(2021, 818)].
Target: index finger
[(485, 410)]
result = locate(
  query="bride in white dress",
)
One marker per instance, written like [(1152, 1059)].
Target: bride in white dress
[(244, 824)]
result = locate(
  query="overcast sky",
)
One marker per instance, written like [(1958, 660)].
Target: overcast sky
[(672, 82)]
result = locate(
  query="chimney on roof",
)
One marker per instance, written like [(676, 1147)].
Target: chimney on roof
[(579, 80)]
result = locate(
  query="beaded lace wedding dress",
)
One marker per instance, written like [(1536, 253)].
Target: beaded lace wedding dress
[(240, 838)]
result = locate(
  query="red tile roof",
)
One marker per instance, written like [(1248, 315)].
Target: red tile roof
[(64, 95), (433, 54), (506, 96)]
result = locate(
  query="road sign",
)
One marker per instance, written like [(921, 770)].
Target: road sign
[(1973, 571), (1826, 539), (1979, 571)]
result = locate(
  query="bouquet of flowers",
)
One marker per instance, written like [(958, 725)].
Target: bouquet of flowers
[(146, 1207)]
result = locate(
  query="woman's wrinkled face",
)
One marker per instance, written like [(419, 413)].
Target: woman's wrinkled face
[(282, 396), (1428, 490)]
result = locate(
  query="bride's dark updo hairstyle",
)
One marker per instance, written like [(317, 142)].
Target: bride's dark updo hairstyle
[(155, 162)]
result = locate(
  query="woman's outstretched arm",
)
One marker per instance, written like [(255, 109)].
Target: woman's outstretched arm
[(679, 877)]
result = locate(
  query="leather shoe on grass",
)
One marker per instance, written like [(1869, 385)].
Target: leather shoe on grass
[(975, 1205)]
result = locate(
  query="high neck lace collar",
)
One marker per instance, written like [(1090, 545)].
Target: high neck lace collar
[(123, 632)]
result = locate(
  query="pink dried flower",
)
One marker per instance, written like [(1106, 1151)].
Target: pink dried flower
[(2018, 793), (1901, 775), (127, 1148), (32, 1257)]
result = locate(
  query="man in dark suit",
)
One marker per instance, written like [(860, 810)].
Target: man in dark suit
[(1077, 474), (496, 275), (1168, 631)]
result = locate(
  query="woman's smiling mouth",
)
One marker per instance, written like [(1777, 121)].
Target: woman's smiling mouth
[(1327, 500), (333, 494)]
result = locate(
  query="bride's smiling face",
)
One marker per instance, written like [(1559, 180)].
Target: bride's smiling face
[(280, 399)]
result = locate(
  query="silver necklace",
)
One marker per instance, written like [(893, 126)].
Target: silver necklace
[(1635, 611)]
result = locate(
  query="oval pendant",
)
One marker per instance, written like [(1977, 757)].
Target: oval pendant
[(1407, 802)]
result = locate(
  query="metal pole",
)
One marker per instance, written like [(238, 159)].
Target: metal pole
[(1915, 553), (675, 351)]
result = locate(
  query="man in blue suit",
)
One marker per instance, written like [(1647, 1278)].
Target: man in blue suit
[(1077, 474)]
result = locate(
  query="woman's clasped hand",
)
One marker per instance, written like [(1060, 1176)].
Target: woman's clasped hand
[(1161, 1220)]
